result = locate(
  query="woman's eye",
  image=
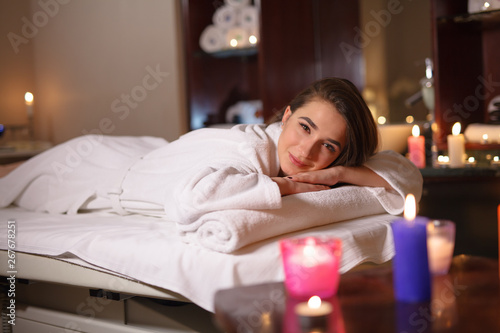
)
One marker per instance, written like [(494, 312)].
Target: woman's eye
[(330, 147), (305, 127)]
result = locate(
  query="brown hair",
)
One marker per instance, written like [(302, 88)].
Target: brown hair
[(362, 133)]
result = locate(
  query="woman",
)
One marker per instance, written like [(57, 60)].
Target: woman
[(326, 135), (333, 131)]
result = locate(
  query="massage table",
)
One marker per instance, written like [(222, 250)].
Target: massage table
[(99, 271)]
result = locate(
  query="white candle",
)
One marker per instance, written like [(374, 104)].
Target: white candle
[(440, 254), (440, 245), (456, 147), (313, 314), (28, 99)]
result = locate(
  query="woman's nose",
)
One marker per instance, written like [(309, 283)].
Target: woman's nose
[(307, 148)]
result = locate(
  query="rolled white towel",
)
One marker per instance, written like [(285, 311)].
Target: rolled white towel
[(225, 17), (212, 39), (248, 17), (228, 230), (475, 132), (237, 3)]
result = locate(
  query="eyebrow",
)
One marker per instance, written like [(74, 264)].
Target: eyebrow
[(315, 127)]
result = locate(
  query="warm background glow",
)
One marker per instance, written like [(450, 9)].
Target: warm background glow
[(28, 97)]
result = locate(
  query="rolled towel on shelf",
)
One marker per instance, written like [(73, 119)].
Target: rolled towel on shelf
[(225, 17), (248, 17), (212, 39), (474, 133), (237, 3), (245, 112)]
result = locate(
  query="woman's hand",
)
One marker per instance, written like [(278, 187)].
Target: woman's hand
[(322, 179), (329, 176), (361, 176), (288, 186)]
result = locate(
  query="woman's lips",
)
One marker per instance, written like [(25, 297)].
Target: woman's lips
[(295, 161)]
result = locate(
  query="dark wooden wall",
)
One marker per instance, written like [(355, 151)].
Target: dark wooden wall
[(300, 42)]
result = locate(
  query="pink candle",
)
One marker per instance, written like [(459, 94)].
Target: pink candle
[(311, 266), (416, 147)]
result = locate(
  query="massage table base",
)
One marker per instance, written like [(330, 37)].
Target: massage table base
[(53, 295)]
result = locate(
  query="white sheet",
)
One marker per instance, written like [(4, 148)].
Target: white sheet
[(149, 250)]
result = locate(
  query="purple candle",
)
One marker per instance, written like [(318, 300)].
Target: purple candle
[(412, 281)]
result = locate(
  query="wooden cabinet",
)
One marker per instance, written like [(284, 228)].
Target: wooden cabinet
[(469, 197), (466, 52), (300, 42)]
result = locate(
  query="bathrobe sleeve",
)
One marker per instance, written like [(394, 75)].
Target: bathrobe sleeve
[(221, 187), (401, 174), (237, 176)]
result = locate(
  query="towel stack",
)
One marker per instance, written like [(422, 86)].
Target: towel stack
[(235, 25)]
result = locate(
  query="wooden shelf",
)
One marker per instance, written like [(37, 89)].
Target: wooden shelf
[(491, 16), (466, 68), (229, 53)]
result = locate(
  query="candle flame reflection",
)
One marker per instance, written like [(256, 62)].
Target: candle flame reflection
[(410, 207)]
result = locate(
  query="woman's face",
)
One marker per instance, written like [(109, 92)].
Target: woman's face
[(312, 137)]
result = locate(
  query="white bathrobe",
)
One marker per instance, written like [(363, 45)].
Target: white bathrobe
[(206, 172)]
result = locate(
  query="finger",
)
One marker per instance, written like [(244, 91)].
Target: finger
[(301, 177)]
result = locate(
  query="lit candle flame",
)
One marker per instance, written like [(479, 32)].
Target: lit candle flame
[(314, 302), (455, 130), (410, 207), (309, 249), (28, 97), (415, 131), (252, 39)]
